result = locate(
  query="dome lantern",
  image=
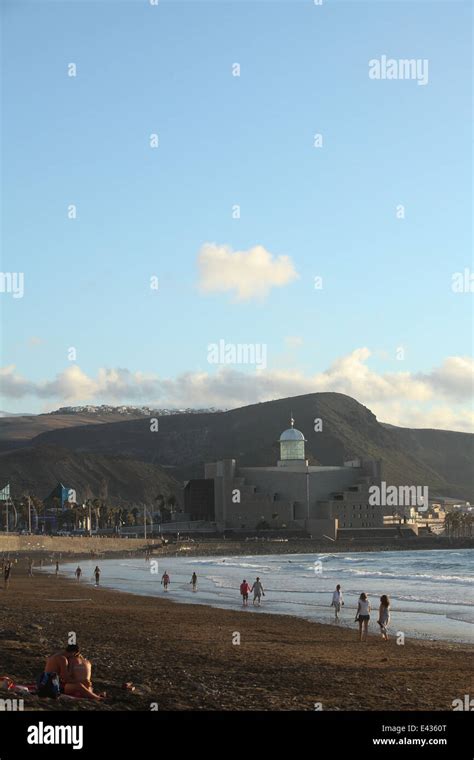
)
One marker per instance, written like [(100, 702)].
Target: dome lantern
[(292, 443)]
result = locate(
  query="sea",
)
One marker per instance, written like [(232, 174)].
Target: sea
[(431, 592)]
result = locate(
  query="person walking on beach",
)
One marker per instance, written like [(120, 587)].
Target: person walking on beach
[(363, 616), (244, 590), (165, 580), (7, 571), (30, 568), (258, 591), (97, 575), (56, 572), (193, 581), (78, 573), (337, 601), (384, 616)]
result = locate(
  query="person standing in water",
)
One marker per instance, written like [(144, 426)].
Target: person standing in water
[(258, 591), (363, 616), (193, 581), (165, 579), (78, 573), (244, 590), (384, 616), (57, 568), (97, 575), (337, 601)]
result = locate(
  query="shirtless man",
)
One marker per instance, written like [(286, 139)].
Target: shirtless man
[(165, 581), (58, 663)]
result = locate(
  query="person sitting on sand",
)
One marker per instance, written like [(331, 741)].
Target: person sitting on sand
[(384, 616), (193, 581), (78, 573), (363, 615), (58, 663), (78, 680), (258, 591), (165, 580), (337, 601), (244, 590)]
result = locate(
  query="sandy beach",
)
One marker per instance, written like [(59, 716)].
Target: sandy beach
[(182, 657)]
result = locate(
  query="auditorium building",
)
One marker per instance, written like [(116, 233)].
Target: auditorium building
[(322, 500)]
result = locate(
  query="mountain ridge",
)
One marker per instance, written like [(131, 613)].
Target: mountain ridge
[(184, 442)]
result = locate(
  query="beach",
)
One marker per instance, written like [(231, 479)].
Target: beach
[(184, 656)]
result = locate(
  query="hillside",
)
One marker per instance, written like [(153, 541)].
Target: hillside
[(439, 459), (36, 470), (20, 429)]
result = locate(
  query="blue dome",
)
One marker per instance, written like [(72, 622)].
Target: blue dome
[(292, 435)]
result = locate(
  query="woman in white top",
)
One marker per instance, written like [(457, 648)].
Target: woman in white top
[(363, 615)]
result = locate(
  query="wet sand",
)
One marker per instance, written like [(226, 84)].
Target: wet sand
[(182, 657)]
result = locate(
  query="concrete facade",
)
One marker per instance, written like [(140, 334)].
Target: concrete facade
[(318, 499)]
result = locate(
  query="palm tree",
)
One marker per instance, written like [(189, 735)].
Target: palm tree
[(171, 501)]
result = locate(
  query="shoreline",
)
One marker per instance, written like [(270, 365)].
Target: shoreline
[(183, 656), (78, 547), (345, 622)]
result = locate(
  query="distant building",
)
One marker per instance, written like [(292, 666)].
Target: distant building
[(199, 499), (60, 497), (293, 494), (5, 493)]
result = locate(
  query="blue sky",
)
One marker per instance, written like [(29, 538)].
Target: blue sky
[(246, 140)]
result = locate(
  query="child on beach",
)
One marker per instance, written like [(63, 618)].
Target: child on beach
[(337, 601), (165, 581), (384, 616), (363, 616), (244, 590)]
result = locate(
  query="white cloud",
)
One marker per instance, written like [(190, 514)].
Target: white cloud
[(247, 274), (439, 398)]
